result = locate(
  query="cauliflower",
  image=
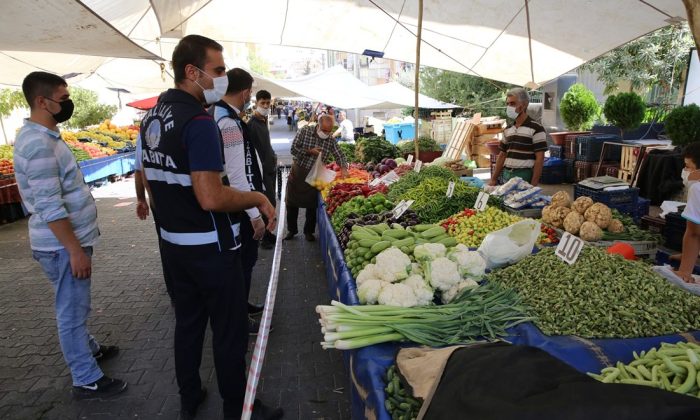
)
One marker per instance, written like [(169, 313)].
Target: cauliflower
[(416, 269), (616, 226), (582, 204), (429, 251), (421, 289), (547, 214), (370, 272), (600, 214), (393, 265), (442, 273), (368, 292), (470, 263), (561, 199), (572, 222), (397, 294), (449, 295), (590, 232), (558, 215)]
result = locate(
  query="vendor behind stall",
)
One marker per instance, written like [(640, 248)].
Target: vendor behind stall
[(691, 239), (523, 145)]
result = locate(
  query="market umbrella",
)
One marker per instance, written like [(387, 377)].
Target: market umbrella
[(144, 104)]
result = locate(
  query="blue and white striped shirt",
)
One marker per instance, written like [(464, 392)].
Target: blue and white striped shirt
[(52, 187)]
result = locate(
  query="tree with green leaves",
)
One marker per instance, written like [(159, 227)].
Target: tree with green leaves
[(475, 94), (656, 59), (579, 108), (88, 110), (625, 110), (10, 99)]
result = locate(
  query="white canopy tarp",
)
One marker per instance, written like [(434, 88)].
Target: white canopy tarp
[(487, 38), (61, 26)]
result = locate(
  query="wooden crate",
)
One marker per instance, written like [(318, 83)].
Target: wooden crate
[(441, 130), (461, 140), (628, 162), (487, 138)]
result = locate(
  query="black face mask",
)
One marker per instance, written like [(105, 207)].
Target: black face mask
[(66, 110)]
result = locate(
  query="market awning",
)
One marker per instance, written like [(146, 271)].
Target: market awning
[(488, 38), (63, 26)]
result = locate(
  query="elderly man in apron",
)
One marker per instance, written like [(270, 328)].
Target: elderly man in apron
[(308, 143)]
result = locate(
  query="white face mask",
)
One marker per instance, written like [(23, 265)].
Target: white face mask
[(263, 111), (214, 95), (511, 112), (685, 174), (321, 134)]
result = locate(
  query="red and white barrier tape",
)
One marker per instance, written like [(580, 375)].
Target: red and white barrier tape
[(256, 360)]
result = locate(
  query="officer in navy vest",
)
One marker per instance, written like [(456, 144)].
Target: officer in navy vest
[(199, 217), (244, 170)]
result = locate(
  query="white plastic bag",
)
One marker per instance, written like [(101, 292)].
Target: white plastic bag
[(318, 174), (666, 272), (510, 245)]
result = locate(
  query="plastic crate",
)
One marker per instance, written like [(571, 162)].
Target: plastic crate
[(526, 213), (674, 231), (583, 170), (394, 133), (609, 198), (644, 249), (553, 174), (556, 151), (653, 224), (642, 208), (570, 146), (590, 147), (569, 166)]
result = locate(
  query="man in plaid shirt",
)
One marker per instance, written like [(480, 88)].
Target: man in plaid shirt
[(308, 143)]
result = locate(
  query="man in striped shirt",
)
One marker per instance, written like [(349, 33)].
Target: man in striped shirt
[(62, 228), (523, 145)]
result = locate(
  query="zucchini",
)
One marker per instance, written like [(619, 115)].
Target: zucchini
[(422, 228), (448, 242), (380, 246), (393, 234), (404, 242), (367, 243), (433, 232), (379, 228)]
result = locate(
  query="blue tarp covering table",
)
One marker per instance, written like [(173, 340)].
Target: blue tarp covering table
[(367, 366), (100, 168)]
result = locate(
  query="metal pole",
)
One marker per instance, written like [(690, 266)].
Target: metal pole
[(417, 69)]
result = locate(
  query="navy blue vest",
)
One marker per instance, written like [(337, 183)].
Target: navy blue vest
[(166, 165)]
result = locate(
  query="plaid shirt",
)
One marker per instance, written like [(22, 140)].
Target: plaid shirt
[(52, 188), (307, 139)]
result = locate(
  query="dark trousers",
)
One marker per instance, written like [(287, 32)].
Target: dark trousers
[(293, 215), (166, 274), (249, 252), (209, 288)]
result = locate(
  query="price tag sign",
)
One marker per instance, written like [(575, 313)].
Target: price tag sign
[(419, 164), (375, 182), (401, 208), (390, 177), (450, 189), (569, 248), (481, 201), (409, 159)]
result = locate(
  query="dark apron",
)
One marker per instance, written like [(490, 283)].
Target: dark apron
[(299, 193)]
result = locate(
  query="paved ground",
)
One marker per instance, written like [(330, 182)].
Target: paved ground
[(131, 309)]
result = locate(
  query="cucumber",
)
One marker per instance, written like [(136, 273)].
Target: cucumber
[(379, 228), (380, 246), (422, 228), (448, 242), (395, 234), (359, 235), (433, 232), (367, 243), (403, 242)]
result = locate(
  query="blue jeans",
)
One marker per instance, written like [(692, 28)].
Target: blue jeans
[(72, 310)]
